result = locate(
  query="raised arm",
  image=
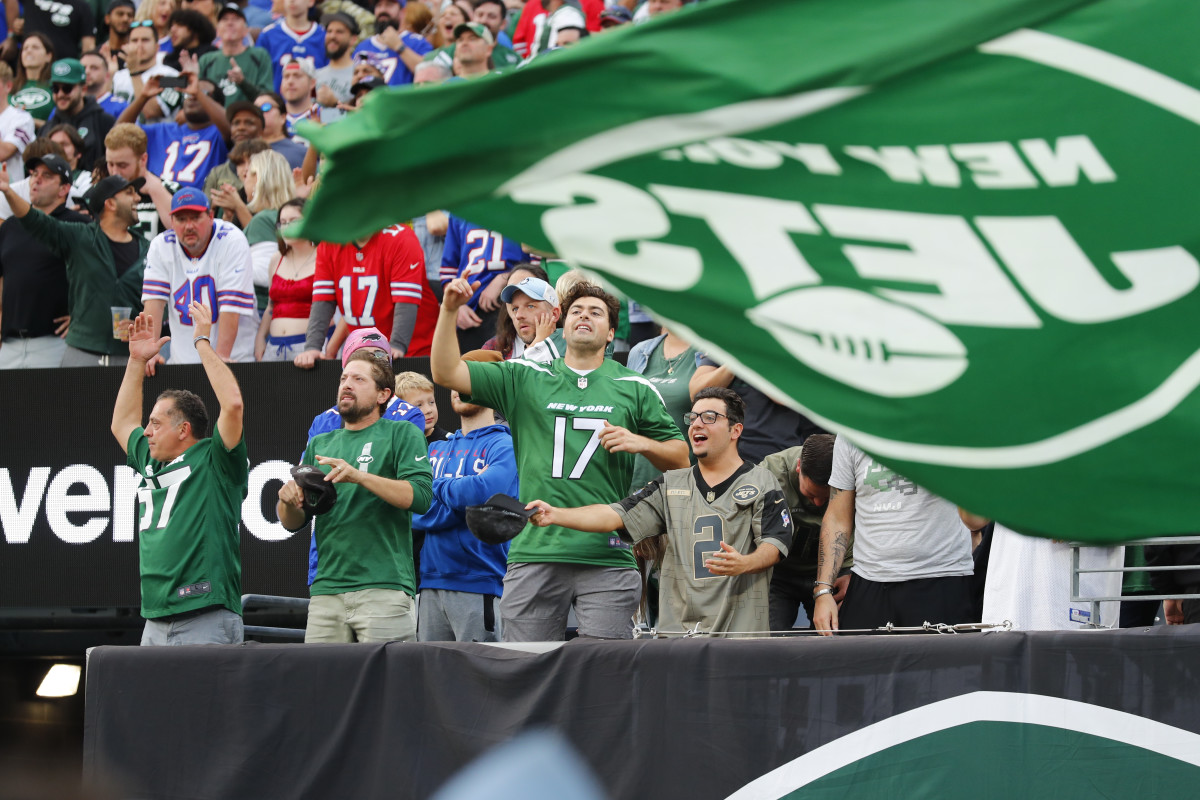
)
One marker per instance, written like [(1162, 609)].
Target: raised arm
[(706, 375), (220, 377), (594, 519), (837, 529), (19, 205), (144, 345), (445, 359)]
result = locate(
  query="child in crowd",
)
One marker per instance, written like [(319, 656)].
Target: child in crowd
[(417, 390)]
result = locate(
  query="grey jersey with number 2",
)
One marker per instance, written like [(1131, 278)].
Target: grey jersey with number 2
[(744, 511)]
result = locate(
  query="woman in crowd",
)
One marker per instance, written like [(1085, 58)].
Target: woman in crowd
[(31, 88), (418, 19), (668, 362), (68, 138), (159, 13), (281, 333), (451, 17)]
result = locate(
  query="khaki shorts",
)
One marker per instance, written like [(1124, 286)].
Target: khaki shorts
[(368, 615)]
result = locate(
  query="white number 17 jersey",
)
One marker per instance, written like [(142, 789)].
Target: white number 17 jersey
[(222, 278)]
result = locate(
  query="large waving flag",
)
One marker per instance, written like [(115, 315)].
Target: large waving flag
[(965, 235)]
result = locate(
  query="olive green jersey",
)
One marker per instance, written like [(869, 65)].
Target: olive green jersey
[(189, 538), (743, 511), (556, 415), (364, 542)]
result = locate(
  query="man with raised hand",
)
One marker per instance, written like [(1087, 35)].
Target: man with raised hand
[(725, 521), (577, 423), (191, 494)]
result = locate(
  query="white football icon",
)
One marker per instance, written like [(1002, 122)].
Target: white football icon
[(864, 341)]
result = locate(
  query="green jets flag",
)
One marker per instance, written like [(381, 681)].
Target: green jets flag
[(965, 235)]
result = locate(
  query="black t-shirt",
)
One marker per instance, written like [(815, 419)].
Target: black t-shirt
[(35, 280), (769, 426), (125, 254), (65, 22)]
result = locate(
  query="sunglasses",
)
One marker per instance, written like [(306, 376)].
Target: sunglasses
[(145, 23), (265, 107), (63, 88)]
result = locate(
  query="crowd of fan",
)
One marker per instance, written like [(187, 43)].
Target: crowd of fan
[(151, 162)]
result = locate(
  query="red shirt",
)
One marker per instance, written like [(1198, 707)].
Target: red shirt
[(527, 28), (368, 282)]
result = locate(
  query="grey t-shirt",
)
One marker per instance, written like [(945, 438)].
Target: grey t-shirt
[(339, 81), (902, 531)]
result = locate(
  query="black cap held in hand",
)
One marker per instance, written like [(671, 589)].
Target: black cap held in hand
[(498, 520), (319, 494)]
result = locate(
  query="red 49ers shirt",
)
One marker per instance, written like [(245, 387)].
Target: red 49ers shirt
[(368, 282)]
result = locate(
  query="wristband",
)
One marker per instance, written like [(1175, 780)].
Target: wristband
[(821, 592), (822, 583), (198, 339)]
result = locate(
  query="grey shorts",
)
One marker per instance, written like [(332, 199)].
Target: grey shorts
[(537, 598), (214, 626), (368, 615), (448, 616)]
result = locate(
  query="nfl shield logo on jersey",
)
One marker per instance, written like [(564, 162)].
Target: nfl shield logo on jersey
[(582, 383)]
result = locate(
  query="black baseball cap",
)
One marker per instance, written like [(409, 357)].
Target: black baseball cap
[(498, 520), (107, 188), (53, 163), (231, 8), (115, 4), (367, 84), (342, 17)]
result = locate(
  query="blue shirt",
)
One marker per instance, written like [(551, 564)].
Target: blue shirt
[(112, 105), (286, 45), (395, 71), (468, 468), (179, 153), (478, 253), (331, 420)]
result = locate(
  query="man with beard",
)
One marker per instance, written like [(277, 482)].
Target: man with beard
[(241, 71), (185, 153), (400, 50), (141, 64), (365, 587), (104, 266), (208, 261), (118, 19), (98, 83), (73, 106), (335, 78)]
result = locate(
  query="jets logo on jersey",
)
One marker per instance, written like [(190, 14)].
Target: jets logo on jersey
[(365, 458), (745, 492)]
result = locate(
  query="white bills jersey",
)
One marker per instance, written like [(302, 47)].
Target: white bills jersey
[(221, 278)]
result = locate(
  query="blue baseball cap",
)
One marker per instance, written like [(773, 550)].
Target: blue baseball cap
[(189, 199)]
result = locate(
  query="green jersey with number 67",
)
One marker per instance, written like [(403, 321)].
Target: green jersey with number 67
[(556, 416), (188, 527)]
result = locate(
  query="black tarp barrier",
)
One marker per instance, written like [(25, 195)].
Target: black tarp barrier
[(653, 718), (68, 504)]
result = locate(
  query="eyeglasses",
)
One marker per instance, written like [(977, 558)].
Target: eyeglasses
[(145, 23), (63, 88), (707, 417), (265, 107)]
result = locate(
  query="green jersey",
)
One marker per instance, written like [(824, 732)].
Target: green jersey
[(744, 510), (257, 73), (189, 537), (364, 542), (556, 416)]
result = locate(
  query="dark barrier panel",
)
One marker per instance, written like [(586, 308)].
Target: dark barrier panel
[(1002, 715), (68, 502)]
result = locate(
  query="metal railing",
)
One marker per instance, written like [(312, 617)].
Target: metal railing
[(274, 602), (1076, 571)]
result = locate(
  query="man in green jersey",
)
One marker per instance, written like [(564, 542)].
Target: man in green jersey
[(365, 587), (577, 423), (191, 494), (725, 520)]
